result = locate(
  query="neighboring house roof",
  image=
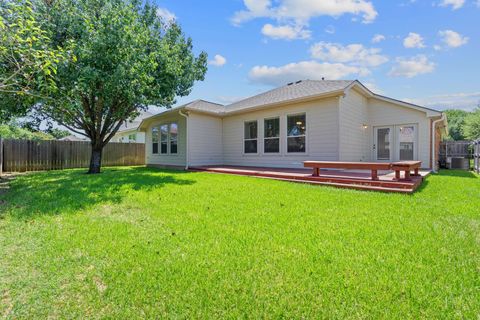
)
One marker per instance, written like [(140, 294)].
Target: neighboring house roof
[(72, 138), (133, 125), (292, 91)]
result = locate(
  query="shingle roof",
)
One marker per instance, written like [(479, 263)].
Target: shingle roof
[(206, 106), (292, 91)]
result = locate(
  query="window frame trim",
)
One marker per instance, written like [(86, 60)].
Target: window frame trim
[(304, 113), (279, 152), (244, 139)]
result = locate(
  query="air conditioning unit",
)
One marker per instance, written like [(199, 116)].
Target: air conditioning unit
[(458, 163)]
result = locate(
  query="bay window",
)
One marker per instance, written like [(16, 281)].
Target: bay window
[(173, 138), (164, 139), (154, 140)]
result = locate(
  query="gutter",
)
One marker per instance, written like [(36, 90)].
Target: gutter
[(434, 125), (185, 115)]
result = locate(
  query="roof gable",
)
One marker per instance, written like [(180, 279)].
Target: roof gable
[(290, 92)]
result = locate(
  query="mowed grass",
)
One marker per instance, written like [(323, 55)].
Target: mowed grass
[(137, 242)]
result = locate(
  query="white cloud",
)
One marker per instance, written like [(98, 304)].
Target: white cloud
[(354, 54), (455, 4), (166, 15), (412, 67), (277, 76), (379, 38), (285, 32), (218, 61), (413, 40), (453, 39), (301, 11), (331, 29), (463, 100)]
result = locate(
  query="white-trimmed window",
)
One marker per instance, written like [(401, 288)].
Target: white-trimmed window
[(164, 139), (155, 136), (296, 133), (271, 135), (251, 137), (173, 138)]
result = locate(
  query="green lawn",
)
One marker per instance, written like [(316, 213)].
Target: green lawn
[(137, 242)]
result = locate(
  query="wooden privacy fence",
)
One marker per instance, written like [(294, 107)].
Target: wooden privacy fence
[(29, 155), (476, 155)]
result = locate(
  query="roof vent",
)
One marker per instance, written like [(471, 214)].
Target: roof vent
[(323, 78), (290, 83), (298, 82)]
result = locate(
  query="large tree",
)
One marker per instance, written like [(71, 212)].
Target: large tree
[(126, 58), (456, 121), (28, 61), (471, 128)]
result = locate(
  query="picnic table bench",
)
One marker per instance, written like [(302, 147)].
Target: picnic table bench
[(406, 166)]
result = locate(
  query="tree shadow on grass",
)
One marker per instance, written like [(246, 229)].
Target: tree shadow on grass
[(68, 191)]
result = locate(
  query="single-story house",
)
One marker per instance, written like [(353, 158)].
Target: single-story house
[(306, 120), (128, 132)]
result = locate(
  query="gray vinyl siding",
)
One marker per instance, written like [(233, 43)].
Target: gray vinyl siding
[(178, 159), (322, 135), (382, 113), (354, 138), (205, 140)]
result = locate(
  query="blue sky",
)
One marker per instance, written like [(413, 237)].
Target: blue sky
[(425, 52)]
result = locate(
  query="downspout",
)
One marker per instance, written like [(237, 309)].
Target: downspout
[(434, 125), (186, 132)]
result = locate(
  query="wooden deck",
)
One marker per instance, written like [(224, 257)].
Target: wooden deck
[(360, 180)]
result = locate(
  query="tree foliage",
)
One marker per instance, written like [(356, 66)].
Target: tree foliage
[(456, 121), (471, 128), (126, 58), (14, 130), (28, 60)]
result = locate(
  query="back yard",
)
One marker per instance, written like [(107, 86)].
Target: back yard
[(138, 242)]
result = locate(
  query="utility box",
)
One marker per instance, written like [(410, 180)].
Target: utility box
[(458, 163)]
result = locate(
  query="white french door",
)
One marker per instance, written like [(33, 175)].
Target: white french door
[(395, 143), (406, 142), (382, 143)]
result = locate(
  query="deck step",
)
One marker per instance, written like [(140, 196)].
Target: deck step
[(334, 181), (347, 185)]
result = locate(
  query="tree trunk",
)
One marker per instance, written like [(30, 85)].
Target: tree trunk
[(95, 160)]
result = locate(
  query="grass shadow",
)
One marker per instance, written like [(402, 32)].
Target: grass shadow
[(61, 192)]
